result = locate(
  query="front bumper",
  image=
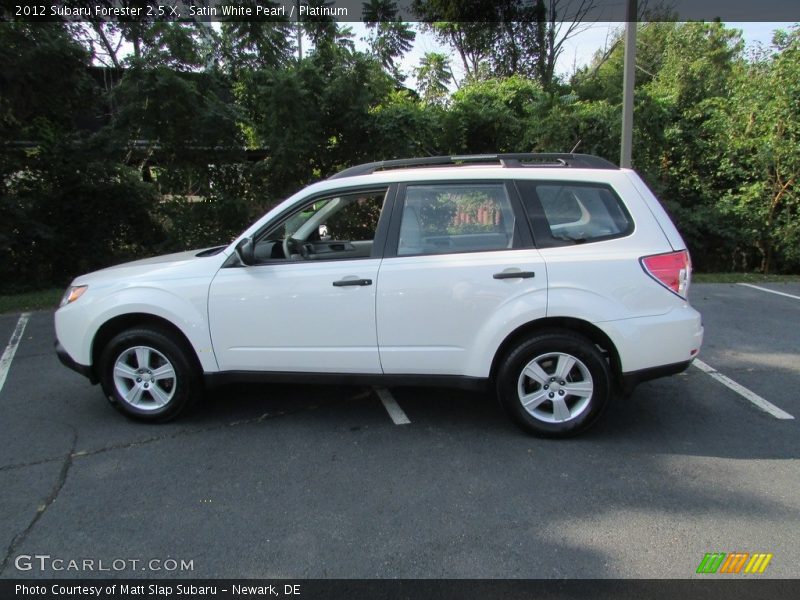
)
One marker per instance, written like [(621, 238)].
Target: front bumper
[(68, 361)]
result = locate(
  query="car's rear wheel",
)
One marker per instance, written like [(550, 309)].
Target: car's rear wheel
[(555, 384), (147, 376)]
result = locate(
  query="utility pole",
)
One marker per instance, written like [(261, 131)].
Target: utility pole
[(207, 31), (299, 33), (628, 80)]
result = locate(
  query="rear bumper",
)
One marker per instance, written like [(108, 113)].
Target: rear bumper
[(656, 342), (68, 361), (633, 378)]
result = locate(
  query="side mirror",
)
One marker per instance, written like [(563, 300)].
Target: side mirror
[(245, 250)]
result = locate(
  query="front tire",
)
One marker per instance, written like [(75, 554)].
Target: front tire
[(555, 384), (147, 376)]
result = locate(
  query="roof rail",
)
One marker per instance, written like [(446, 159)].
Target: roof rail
[(528, 159)]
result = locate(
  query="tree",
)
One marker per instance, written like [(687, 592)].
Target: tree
[(44, 81), (760, 134), (401, 126), (566, 122), (601, 79), (66, 205), (465, 27), (491, 115), (314, 116), (180, 45), (516, 37), (685, 101), (256, 44), (433, 76), (322, 29), (390, 38)]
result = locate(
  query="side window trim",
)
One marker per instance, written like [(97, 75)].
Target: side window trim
[(382, 234), (393, 233), (523, 229), (521, 235)]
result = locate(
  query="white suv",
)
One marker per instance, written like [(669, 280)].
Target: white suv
[(554, 279)]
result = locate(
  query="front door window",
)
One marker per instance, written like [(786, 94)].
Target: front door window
[(339, 227)]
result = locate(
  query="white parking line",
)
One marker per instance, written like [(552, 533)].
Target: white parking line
[(764, 405), (11, 349), (392, 407), (763, 289)]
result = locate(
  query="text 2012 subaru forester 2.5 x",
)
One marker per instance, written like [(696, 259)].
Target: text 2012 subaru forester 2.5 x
[(552, 279)]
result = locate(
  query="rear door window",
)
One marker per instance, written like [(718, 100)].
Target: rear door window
[(444, 218)]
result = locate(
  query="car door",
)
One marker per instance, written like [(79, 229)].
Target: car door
[(459, 274), (308, 304)]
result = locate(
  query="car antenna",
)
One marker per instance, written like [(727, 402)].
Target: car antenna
[(575, 147)]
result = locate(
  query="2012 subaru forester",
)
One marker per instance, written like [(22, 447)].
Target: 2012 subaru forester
[(552, 279)]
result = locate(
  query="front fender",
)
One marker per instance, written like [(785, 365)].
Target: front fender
[(78, 324)]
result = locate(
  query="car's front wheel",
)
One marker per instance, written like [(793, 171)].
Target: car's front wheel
[(554, 384), (147, 376)]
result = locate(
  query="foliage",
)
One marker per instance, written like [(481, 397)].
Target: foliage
[(193, 132), (685, 99), (43, 83), (401, 126), (506, 37), (566, 123), (762, 166), (61, 199), (90, 173), (602, 78), (491, 115), (322, 29), (46, 239), (255, 44), (433, 76), (391, 37), (314, 116)]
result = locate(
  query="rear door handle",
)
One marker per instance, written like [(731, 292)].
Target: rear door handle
[(514, 275), (346, 282)]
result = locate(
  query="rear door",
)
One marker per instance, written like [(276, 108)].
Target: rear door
[(459, 263), (592, 242)]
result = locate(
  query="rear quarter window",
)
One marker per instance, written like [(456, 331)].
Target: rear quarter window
[(566, 213)]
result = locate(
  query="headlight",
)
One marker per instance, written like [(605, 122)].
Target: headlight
[(73, 293)]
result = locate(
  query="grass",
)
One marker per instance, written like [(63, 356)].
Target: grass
[(41, 300), (743, 278)]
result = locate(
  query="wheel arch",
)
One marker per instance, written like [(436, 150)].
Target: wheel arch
[(588, 330), (120, 323)]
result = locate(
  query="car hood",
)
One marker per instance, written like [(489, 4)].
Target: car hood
[(192, 262)]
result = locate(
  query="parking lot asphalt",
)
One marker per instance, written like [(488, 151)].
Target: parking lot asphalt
[(318, 481)]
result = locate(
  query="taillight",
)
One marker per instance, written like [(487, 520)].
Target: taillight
[(672, 270)]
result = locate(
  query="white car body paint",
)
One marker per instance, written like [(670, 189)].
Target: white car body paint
[(173, 287), (437, 314)]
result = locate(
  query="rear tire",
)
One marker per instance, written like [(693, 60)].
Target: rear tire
[(148, 376), (555, 384)]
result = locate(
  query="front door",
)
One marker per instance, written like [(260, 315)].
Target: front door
[(308, 305)]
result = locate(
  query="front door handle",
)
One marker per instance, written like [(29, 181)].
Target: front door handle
[(514, 275), (345, 282)]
